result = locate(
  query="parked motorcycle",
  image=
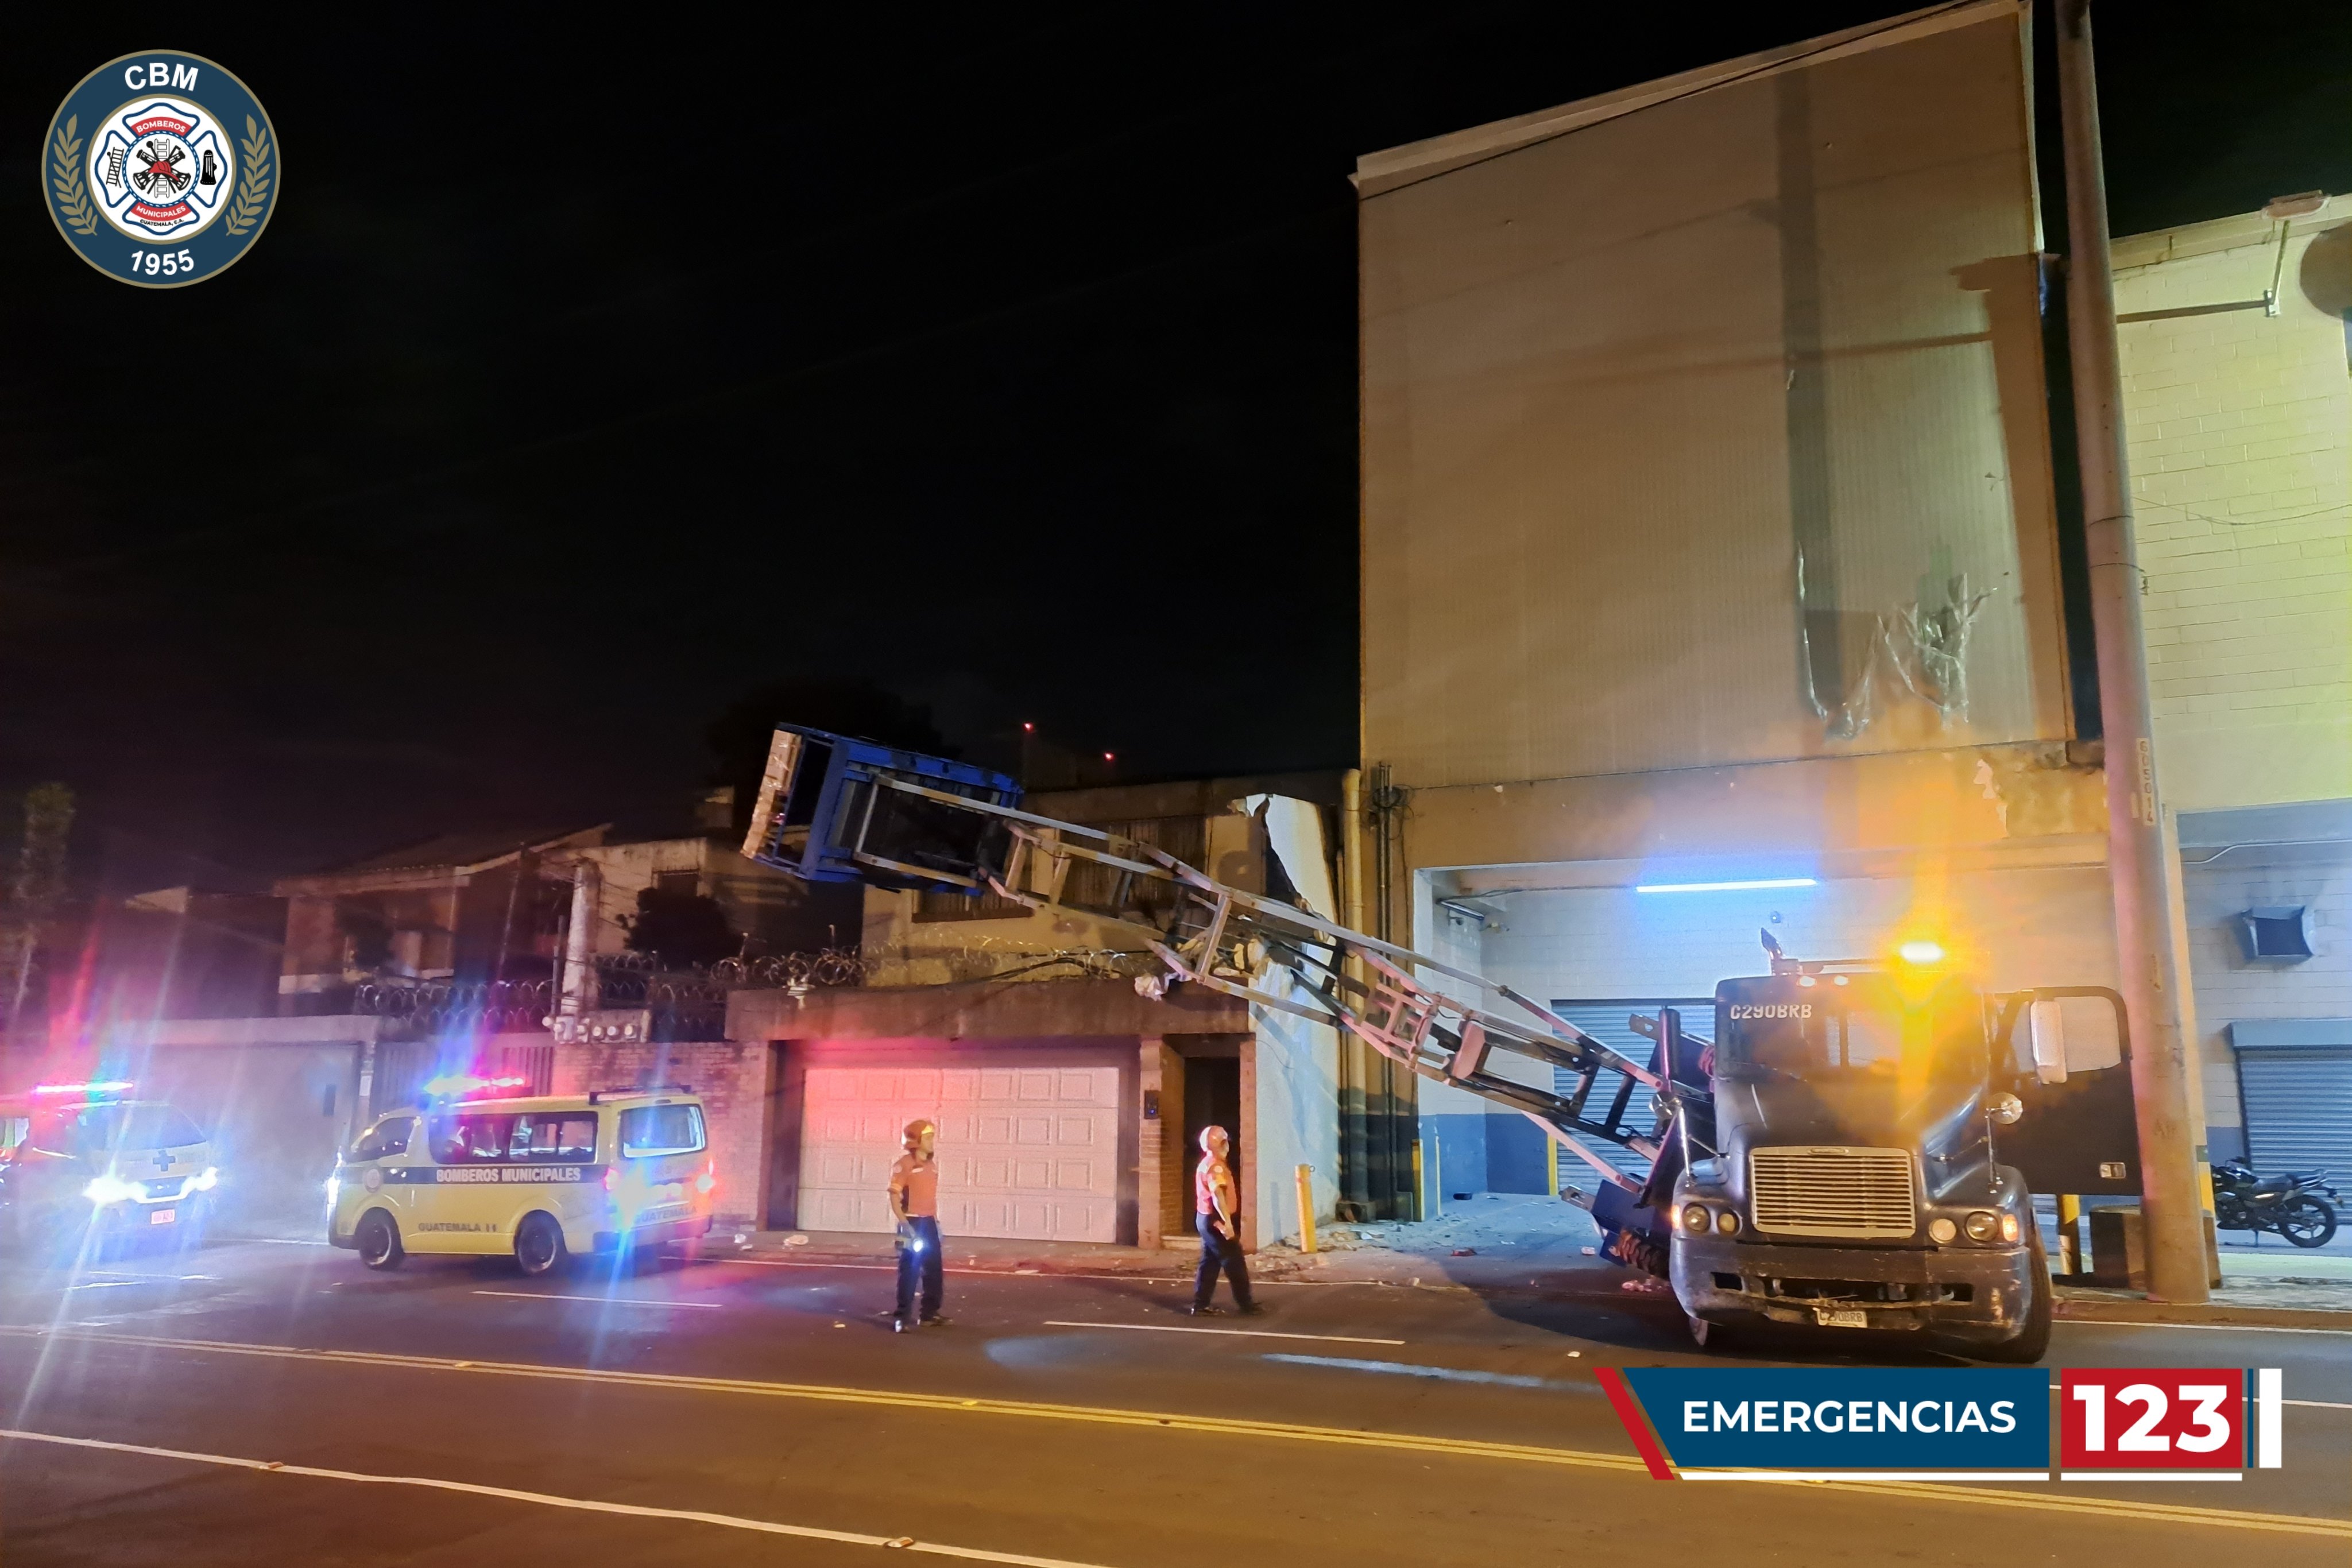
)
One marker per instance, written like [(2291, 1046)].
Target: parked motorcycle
[(2299, 1206)]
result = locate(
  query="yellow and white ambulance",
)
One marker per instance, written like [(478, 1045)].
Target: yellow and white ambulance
[(542, 1177)]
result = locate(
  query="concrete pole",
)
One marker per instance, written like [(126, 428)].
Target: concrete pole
[(2150, 973), (579, 986)]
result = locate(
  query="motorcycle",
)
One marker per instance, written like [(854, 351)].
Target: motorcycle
[(2297, 1205)]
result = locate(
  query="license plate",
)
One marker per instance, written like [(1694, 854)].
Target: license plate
[(164, 1216), (1842, 1318)]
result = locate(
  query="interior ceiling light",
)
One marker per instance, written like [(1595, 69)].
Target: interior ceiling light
[(1726, 886)]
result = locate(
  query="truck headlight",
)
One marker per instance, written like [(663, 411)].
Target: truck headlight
[(111, 1188), (1695, 1218), (1727, 1223), (2009, 1227), (1983, 1225), (1940, 1230)]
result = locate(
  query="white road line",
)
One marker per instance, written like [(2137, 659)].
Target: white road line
[(1244, 1334), (2318, 1404), (600, 1301), (2201, 1328), (546, 1499), (286, 1242)]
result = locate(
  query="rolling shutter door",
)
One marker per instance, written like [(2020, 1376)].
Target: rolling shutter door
[(2298, 1109), (1605, 1021)]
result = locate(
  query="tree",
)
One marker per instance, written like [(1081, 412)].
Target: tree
[(738, 736), (681, 927), (33, 895)]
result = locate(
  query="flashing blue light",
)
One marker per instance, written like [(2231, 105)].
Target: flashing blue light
[(1757, 884)]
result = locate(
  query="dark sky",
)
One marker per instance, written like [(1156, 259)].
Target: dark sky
[(600, 366)]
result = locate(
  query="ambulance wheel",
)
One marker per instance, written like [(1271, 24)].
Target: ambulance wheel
[(378, 1240), (538, 1244)]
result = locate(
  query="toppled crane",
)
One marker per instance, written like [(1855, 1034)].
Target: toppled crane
[(1820, 1162)]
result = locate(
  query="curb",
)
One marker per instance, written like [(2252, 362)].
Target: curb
[(2127, 1311)]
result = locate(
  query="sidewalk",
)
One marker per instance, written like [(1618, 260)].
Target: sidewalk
[(1513, 1244)]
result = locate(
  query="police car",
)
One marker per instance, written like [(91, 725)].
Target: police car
[(86, 1165), (543, 1178)]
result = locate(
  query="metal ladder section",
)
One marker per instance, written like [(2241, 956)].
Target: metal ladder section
[(1434, 1018)]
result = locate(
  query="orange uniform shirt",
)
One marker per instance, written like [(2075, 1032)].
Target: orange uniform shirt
[(917, 1181)]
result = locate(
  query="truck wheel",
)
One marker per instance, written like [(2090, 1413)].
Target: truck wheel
[(379, 1240), (538, 1244), (2031, 1343)]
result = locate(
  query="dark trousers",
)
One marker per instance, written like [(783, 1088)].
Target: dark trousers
[(1218, 1251), (920, 1258)]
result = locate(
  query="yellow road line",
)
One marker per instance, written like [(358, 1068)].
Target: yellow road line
[(1462, 1448), (1226, 1425)]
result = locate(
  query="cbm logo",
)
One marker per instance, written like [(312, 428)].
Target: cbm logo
[(161, 169)]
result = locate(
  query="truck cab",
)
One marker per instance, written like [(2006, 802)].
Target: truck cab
[(1841, 1153)]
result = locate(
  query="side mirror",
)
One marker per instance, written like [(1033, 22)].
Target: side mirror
[(2003, 1107), (2045, 1027)]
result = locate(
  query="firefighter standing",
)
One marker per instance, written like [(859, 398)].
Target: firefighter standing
[(915, 1203), (1215, 1201)]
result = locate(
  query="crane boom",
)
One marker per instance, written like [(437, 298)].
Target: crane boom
[(832, 808)]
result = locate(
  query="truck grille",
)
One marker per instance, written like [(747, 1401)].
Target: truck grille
[(1863, 1193)]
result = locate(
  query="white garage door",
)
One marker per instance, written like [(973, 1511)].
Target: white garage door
[(1028, 1151)]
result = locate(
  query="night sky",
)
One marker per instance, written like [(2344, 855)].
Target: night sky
[(598, 367)]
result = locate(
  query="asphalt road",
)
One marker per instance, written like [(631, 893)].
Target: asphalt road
[(255, 1403)]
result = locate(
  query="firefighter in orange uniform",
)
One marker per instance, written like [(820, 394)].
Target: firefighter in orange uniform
[(915, 1203), (1216, 1204)]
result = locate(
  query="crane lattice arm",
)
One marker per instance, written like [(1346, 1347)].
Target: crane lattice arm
[(831, 807)]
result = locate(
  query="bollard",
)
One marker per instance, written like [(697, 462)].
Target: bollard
[(2070, 1234), (1307, 1208)]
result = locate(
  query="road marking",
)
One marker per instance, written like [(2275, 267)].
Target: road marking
[(1245, 1333), (2194, 1328), (600, 1301), (548, 1499), (1864, 1475), (2318, 1404), (1449, 1374), (1103, 1416), (286, 1242), (1973, 1498)]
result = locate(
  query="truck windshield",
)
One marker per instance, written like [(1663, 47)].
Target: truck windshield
[(1869, 1028)]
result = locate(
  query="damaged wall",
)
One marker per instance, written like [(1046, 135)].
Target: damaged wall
[(1704, 422)]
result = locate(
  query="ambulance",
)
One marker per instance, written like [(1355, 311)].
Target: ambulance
[(543, 1178), (89, 1165)]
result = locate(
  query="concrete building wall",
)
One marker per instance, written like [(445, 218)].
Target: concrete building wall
[(1683, 407), (2240, 425), (732, 1077), (2231, 987)]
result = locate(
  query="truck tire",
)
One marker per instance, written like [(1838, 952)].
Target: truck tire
[(378, 1240), (538, 1244), (1708, 1336), (2032, 1343)]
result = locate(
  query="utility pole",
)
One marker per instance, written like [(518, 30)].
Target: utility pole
[(2171, 1205)]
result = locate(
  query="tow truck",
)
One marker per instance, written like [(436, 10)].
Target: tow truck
[(1856, 1144)]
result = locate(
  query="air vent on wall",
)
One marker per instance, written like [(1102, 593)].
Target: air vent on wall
[(2281, 931)]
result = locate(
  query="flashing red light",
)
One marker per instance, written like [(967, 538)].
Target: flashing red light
[(1029, 727), (612, 1178), (1108, 757), (457, 1085)]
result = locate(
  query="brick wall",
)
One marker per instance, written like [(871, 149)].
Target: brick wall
[(729, 1076), (2240, 425)]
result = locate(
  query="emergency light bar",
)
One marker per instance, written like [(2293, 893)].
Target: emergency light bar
[(1726, 886), (107, 1086), (456, 1085)]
